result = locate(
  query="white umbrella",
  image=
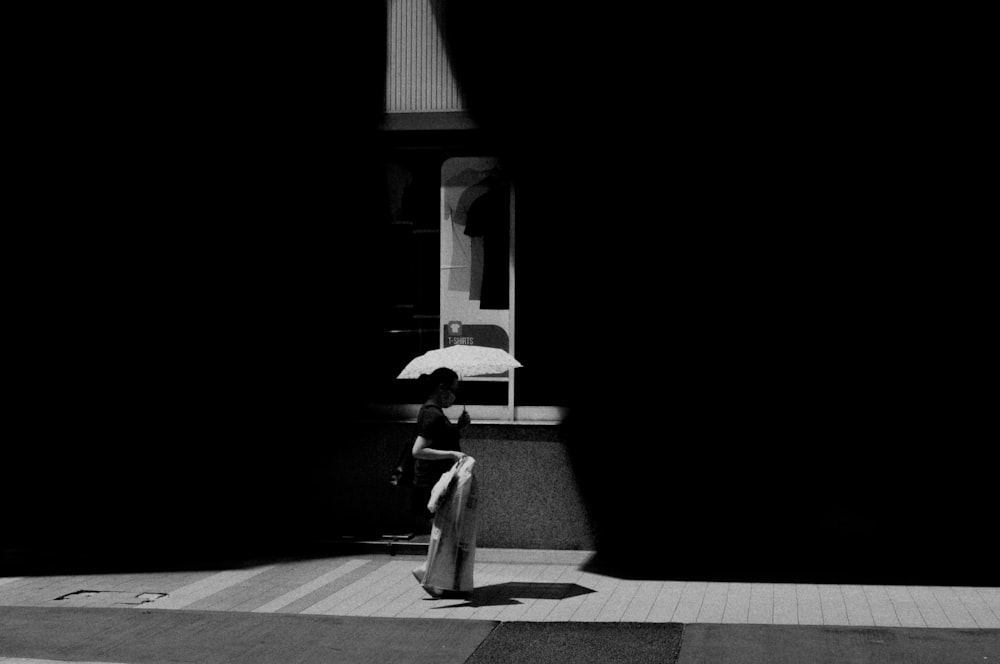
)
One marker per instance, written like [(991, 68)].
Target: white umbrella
[(463, 360)]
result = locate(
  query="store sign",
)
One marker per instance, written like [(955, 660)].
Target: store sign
[(492, 336)]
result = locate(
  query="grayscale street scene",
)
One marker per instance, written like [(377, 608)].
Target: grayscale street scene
[(451, 332)]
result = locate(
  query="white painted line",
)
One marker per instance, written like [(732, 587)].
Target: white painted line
[(193, 592), (303, 590)]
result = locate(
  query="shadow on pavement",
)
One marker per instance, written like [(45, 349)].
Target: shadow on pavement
[(506, 594)]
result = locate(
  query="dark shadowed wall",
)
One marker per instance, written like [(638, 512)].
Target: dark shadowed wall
[(528, 492)]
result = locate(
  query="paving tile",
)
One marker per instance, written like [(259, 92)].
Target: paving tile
[(494, 600), (528, 575), (489, 583), (383, 586), (542, 607), (618, 602), (404, 583), (165, 582), (978, 608), (115, 590), (905, 607), (859, 613), (412, 603), (808, 606), (51, 592), (26, 588), (205, 587), (713, 604), (929, 607), (545, 578), (689, 605), (737, 603), (247, 590), (786, 611), (291, 576), (992, 598), (411, 592), (340, 581), (953, 608), (642, 602), (882, 609), (565, 608), (415, 602), (393, 580), (360, 591), (664, 608), (761, 607), (832, 602), (593, 603)]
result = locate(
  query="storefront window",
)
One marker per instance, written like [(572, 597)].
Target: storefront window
[(453, 262), (476, 266), (449, 255)]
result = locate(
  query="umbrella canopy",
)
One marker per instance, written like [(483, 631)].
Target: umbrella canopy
[(463, 360)]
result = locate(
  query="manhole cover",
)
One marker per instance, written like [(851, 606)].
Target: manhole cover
[(81, 594), (143, 598), (107, 597)]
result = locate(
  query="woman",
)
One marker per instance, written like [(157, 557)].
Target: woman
[(437, 446), (435, 451)]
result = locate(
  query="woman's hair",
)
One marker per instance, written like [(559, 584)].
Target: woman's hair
[(438, 377)]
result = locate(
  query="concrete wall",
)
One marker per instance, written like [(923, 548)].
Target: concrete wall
[(529, 497)]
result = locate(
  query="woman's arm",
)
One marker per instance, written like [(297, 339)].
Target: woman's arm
[(422, 449)]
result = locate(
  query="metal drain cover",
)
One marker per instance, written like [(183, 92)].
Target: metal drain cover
[(80, 594), (107, 597)]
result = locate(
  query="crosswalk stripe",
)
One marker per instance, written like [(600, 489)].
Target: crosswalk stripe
[(317, 583), (193, 592)]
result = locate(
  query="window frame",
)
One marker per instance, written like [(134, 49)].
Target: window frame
[(454, 134)]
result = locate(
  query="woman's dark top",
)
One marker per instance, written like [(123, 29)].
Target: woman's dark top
[(434, 425)]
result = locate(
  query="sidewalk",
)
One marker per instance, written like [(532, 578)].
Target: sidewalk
[(553, 589)]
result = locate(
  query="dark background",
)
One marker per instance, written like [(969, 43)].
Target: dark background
[(749, 229)]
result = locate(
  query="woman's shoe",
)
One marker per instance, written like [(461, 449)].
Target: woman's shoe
[(434, 592)]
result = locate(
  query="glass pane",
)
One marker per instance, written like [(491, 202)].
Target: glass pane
[(475, 255)]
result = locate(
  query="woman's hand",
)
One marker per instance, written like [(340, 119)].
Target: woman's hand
[(459, 455)]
